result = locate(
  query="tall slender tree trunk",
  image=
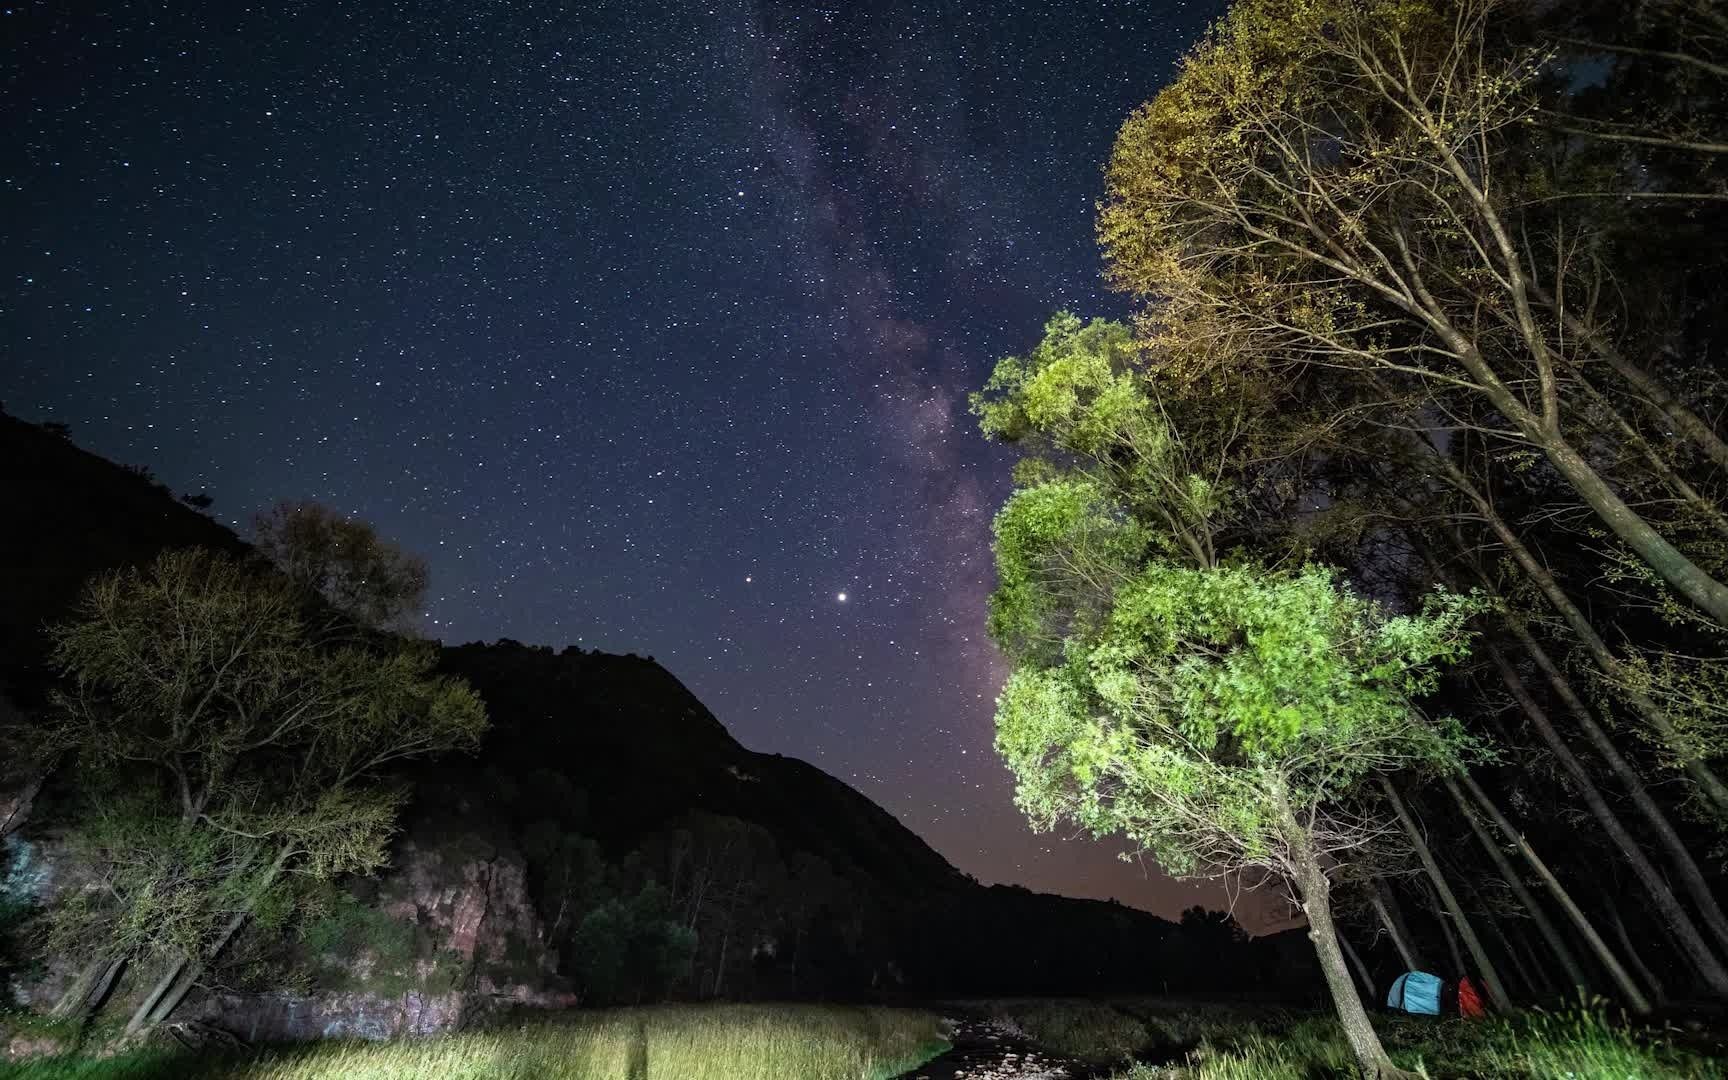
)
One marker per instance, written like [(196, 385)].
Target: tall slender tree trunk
[(1691, 875), (1606, 661), (1675, 917), (1394, 924), (1317, 905), (1448, 928), (1398, 939), (1652, 392), (1685, 576), (1658, 991), (1490, 925), (1361, 969), (192, 972), (1618, 427), (1556, 944), (1484, 963), (1519, 938), (1633, 996), (141, 1016)]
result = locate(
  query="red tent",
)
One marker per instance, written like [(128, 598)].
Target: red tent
[(1470, 1000)]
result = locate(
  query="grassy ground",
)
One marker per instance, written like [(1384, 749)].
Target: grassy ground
[(1220, 1041), (1113, 1030), (707, 1042), (1578, 1045)]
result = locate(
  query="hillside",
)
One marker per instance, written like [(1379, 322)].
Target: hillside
[(604, 791)]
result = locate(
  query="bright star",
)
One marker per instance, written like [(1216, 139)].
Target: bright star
[(841, 597)]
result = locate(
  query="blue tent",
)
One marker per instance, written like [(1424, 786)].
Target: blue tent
[(1416, 992)]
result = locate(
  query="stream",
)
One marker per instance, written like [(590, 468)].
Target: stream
[(984, 1050)]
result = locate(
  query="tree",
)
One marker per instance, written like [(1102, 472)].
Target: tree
[(1338, 188), (1221, 712), (242, 747), (344, 561)]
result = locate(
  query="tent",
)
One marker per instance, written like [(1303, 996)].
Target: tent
[(1416, 992), (1470, 1000)]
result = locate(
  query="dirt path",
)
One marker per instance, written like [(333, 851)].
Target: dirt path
[(987, 1051)]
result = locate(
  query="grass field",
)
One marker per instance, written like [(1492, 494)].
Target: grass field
[(1198, 1040), (1577, 1045), (706, 1042)]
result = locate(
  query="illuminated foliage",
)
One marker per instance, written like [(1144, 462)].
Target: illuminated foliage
[(245, 748), (1221, 712)]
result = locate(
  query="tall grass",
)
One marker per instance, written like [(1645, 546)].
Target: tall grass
[(1577, 1045), (706, 1042)]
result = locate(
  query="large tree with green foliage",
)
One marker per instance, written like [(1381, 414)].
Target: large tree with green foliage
[(1490, 294), (1221, 711), (1344, 185), (223, 746)]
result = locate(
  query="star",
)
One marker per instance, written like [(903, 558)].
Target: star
[(586, 313)]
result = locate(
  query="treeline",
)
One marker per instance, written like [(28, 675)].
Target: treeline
[(1384, 554)]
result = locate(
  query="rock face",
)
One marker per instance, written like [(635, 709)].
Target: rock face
[(478, 945)]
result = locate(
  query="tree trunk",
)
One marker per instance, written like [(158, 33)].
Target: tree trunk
[(1629, 990), (1606, 662), (1392, 914), (105, 986), (1620, 429), (1691, 876), (1685, 576), (1556, 944), (1448, 929), (1524, 974), (1519, 941), (91, 985), (1484, 964), (1317, 905), (1671, 408), (1360, 968), (1667, 904), (141, 1016), (1658, 992), (1652, 392)]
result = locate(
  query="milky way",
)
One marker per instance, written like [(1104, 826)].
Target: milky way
[(650, 325)]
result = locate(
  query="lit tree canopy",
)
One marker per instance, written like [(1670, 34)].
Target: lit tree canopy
[(1219, 710)]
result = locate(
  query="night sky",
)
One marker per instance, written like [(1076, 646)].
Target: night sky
[(651, 325)]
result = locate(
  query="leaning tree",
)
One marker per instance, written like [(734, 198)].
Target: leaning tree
[(224, 746), (1226, 713)]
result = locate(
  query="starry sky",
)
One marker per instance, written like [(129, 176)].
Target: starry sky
[(650, 324)]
